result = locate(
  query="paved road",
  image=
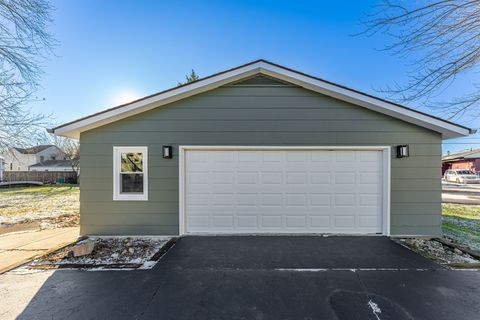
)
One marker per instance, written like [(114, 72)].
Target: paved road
[(260, 278), (455, 193)]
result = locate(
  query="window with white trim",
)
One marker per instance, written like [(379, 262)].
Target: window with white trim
[(130, 173)]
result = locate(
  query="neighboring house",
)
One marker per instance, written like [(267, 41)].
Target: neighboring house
[(261, 149), (469, 159), (20, 159), (53, 165)]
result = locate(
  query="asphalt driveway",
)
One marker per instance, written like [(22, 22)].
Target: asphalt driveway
[(266, 278)]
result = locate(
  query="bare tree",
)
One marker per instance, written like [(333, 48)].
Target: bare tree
[(24, 44), (71, 148), (442, 37), (189, 78)]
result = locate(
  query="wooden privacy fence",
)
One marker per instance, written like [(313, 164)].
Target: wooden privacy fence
[(40, 176)]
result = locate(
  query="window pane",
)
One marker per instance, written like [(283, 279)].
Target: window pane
[(132, 162), (131, 183)]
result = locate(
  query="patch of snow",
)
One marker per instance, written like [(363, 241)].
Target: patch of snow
[(348, 269), (148, 265), (375, 309), (303, 270)]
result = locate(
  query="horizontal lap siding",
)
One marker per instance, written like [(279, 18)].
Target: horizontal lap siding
[(263, 115)]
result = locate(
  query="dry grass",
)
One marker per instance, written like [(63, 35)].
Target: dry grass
[(36, 203)]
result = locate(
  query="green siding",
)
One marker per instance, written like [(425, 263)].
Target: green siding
[(254, 112)]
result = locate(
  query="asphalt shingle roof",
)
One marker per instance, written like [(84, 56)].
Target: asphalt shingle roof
[(34, 150), (460, 155)]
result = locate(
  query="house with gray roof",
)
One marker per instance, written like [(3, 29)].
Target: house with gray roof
[(21, 159), (466, 160)]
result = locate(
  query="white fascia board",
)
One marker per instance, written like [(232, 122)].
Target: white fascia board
[(448, 130)]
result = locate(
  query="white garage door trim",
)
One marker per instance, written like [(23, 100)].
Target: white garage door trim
[(386, 153)]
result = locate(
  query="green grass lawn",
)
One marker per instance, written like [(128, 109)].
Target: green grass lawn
[(462, 224), (30, 203)]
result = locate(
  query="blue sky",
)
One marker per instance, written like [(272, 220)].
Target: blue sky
[(110, 51)]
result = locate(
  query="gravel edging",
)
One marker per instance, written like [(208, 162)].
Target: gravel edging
[(109, 253), (442, 252)]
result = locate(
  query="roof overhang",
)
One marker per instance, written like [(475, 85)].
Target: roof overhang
[(261, 67)]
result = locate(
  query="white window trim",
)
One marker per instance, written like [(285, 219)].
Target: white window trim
[(117, 196)]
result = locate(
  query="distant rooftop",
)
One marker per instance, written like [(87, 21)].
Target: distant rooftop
[(53, 163), (468, 154), (34, 150)]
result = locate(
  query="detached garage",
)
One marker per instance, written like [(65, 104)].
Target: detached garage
[(261, 149)]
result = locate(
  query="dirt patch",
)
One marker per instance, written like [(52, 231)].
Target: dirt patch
[(62, 221), (108, 253), (440, 253), (18, 227)]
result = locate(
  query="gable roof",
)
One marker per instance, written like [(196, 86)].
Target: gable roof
[(34, 150), (53, 163), (468, 154), (261, 67)]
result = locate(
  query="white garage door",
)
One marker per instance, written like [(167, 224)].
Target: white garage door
[(283, 191)]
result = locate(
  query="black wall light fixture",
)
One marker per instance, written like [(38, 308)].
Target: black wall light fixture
[(167, 152), (402, 151)]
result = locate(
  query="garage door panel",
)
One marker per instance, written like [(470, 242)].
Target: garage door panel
[(223, 199), (344, 200), (274, 157), (345, 177), (319, 189), (296, 191), (296, 177), (345, 156), (249, 157), (324, 157), (292, 221), (199, 221), (198, 189), (296, 157), (368, 221), (369, 199), (320, 221), (198, 199), (247, 221), (199, 177), (344, 221), (247, 177), (272, 199), (223, 221), (369, 177), (247, 199), (272, 177), (271, 221), (296, 199), (320, 177), (222, 157), (321, 200)]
